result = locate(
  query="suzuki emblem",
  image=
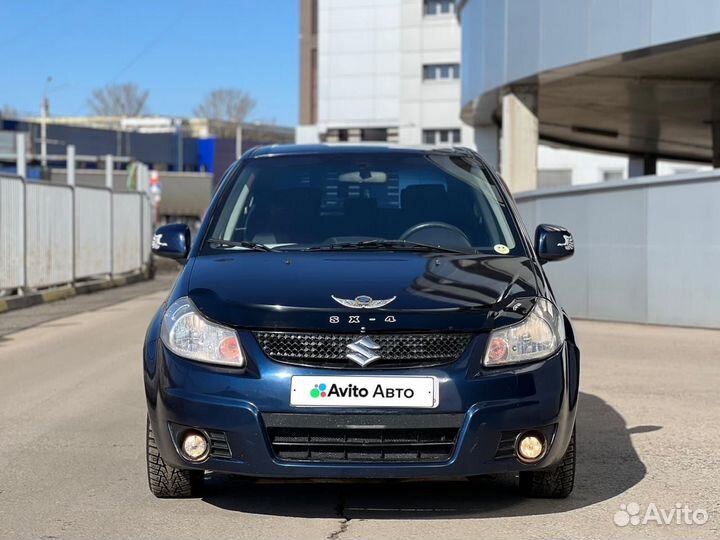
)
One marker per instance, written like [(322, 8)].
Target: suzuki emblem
[(363, 351)]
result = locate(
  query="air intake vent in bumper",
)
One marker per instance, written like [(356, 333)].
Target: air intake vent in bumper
[(363, 438)]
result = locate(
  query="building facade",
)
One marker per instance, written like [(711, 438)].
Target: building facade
[(380, 70), (403, 71), (162, 143), (636, 78)]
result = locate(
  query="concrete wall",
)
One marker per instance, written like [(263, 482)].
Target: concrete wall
[(647, 249), (592, 167)]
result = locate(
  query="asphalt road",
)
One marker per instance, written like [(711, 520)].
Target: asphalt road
[(72, 464)]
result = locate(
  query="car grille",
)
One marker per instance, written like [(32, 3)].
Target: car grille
[(330, 350), (363, 438)]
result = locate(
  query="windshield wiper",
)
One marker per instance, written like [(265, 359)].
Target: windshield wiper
[(384, 245), (244, 244)]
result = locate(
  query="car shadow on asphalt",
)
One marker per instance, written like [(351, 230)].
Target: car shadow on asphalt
[(607, 466)]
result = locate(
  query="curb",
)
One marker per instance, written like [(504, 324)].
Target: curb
[(68, 291)]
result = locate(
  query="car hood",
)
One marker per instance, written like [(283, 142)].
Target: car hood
[(295, 291)]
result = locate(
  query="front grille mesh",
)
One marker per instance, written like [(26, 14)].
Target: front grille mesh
[(329, 350), (362, 445)]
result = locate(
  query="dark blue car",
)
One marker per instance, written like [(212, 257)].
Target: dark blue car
[(361, 312)]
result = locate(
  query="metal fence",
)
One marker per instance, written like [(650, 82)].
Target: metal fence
[(53, 234), (647, 249), (12, 232), (93, 216), (184, 194), (126, 248), (48, 234)]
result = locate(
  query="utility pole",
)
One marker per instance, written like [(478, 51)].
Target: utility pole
[(44, 113), (180, 157)]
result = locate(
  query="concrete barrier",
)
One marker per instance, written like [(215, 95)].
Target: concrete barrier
[(647, 249)]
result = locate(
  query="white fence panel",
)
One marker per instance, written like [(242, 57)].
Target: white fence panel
[(148, 224), (93, 231), (127, 232), (12, 225), (49, 234)]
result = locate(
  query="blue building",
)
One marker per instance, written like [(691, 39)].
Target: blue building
[(176, 148)]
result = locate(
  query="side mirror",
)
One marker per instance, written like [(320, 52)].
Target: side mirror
[(553, 243), (172, 241)]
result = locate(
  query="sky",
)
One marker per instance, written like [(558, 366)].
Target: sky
[(179, 50)]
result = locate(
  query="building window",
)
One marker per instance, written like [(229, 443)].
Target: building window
[(439, 7), (441, 136), (612, 174), (433, 72), (374, 134)]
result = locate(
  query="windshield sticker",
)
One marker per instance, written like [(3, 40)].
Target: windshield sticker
[(502, 249)]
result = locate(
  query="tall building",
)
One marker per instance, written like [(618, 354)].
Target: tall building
[(380, 70), (389, 70)]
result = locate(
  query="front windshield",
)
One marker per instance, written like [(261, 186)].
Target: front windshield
[(373, 201)]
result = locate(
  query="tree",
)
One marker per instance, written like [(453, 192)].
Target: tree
[(118, 100), (227, 104)]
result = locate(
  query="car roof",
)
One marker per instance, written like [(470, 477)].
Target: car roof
[(344, 148)]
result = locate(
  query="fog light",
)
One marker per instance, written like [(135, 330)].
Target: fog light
[(531, 446), (195, 446)]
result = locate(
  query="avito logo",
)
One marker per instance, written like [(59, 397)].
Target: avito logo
[(318, 391)]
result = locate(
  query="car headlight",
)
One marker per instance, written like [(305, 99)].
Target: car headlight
[(190, 335), (537, 336)]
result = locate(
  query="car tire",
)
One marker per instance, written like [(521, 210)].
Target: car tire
[(555, 483), (168, 482)]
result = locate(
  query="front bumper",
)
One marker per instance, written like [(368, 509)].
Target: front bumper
[(489, 403)]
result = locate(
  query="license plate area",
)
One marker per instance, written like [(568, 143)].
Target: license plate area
[(361, 391)]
